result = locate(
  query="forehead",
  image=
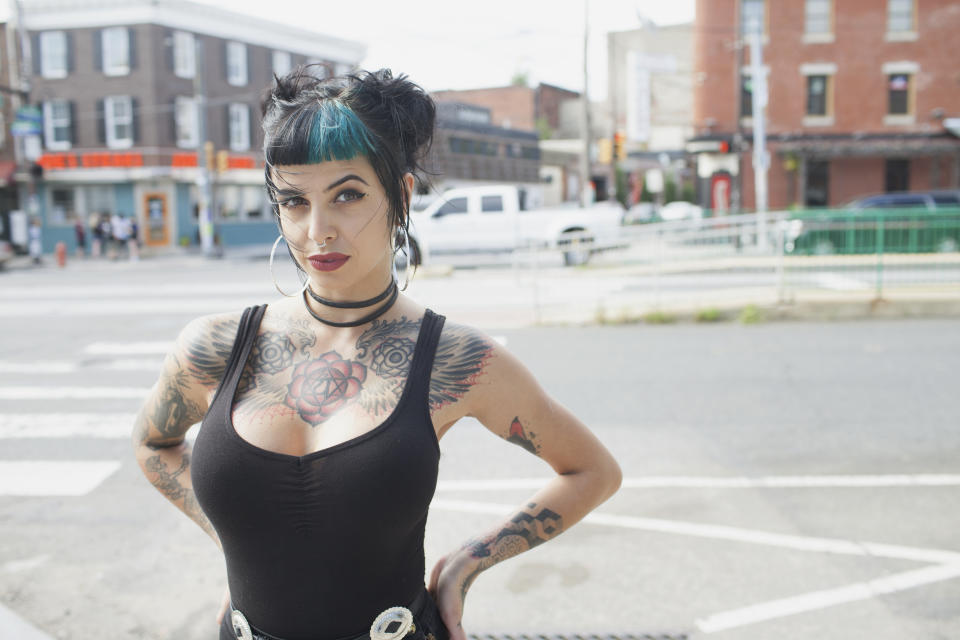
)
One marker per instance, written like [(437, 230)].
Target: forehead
[(321, 174)]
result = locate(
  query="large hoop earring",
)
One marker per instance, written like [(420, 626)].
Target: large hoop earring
[(306, 282)]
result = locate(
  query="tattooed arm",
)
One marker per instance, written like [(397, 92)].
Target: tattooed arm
[(178, 400), (475, 376)]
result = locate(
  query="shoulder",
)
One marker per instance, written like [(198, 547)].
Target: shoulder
[(462, 358), (204, 346)]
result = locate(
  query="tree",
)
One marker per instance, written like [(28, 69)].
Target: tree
[(520, 79)]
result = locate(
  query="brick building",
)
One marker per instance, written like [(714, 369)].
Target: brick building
[(516, 107), (858, 94), (117, 85)]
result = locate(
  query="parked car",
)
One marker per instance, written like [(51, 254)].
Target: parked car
[(912, 222), (680, 210), (501, 218)]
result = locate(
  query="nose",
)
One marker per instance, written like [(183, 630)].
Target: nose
[(321, 229)]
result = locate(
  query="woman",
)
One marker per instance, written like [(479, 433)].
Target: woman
[(317, 456)]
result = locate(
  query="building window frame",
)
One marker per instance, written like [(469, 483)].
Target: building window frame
[(239, 114), (242, 203), (281, 62), (827, 71), (237, 63), (816, 37), (746, 107), (84, 200), (909, 70), (53, 54), (896, 32), (115, 45), (741, 24), (186, 112), (114, 121), (56, 119), (184, 54)]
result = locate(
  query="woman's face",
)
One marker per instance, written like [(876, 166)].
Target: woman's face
[(334, 217)]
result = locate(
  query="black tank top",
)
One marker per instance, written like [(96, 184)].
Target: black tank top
[(317, 545)]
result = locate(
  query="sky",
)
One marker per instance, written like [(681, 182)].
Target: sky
[(457, 44)]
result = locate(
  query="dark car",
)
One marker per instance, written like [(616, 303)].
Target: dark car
[(903, 222)]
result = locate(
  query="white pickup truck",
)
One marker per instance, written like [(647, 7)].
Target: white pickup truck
[(503, 218)]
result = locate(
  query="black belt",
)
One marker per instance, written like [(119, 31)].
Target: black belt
[(392, 624)]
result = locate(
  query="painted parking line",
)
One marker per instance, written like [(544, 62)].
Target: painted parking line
[(72, 393), (708, 482), (127, 348), (53, 478), (826, 598), (66, 425), (59, 366)]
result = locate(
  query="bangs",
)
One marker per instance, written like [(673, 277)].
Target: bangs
[(331, 131)]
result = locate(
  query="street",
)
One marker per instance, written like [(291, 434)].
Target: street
[(782, 480)]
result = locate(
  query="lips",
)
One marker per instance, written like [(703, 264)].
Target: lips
[(328, 261)]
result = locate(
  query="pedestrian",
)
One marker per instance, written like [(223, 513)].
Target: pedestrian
[(133, 244), (321, 413), (81, 235), (35, 240), (96, 230)]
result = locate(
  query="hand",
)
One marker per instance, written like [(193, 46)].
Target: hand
[(224, 606), (448, 586)]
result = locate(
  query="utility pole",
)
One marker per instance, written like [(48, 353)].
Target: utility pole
[(204, 184), (761, 158), (585, 199)]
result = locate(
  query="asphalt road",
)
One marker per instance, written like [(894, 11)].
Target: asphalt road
[(781, 481)]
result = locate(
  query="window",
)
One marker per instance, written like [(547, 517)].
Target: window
[(63, 208), (53, 54), (118, 115), (818, 20), (817, 94), (817, 189), (79, 202), (900, 16), (746, 96), (898, 94), (241, 202), (116, 51), (896, 175), (454, 205), (236, 64), (239, 127), (282, 63), (57, 125), (185, 113), (184, 55), (492, 204), (752, 16)]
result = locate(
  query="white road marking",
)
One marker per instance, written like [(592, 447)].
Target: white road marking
[(27, 564), (127, 348), (55, 366), (72, 393), (733, 534), (37, 367), (16, 627), (841, 283), (66, 425), (707, 482), (827, 598), (53, 478), (130, 364)]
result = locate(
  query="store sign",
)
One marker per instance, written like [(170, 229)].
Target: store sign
[(54, 161)]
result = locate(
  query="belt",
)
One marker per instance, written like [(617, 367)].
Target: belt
[(392, 624)]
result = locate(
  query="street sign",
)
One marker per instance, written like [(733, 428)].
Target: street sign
[(21, 128), (29, 114)]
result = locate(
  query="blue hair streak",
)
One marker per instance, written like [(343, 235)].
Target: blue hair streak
[(337, 133)]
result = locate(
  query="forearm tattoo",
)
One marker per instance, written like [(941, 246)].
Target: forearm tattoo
[(525, 530), (521, 437), (170, 485)]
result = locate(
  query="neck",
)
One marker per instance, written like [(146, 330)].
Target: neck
[(353, 316)]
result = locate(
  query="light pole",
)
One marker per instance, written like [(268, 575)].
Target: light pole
[(585, 199), (204, 185)]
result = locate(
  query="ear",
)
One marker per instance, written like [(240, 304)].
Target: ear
[(408, 180)]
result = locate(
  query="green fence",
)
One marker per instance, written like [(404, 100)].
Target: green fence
[(850, 231)]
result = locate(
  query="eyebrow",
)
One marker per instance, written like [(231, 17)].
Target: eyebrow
[(288, 193), (346, 178)]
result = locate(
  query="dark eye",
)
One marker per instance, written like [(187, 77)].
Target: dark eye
[(349, 195), (292, 203)]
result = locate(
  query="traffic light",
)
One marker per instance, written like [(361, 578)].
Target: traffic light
[(208, 154), (604, 151), (223, 160), (619, 148)]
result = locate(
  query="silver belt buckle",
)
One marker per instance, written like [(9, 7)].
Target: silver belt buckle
[(392, 624), (241, 628)]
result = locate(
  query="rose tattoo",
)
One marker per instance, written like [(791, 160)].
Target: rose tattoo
[(320, 387)]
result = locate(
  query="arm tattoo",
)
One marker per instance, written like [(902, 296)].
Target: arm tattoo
[(207, 357), (520, 437), (523, 531), (168, 483), (173, 411), (459, 362)]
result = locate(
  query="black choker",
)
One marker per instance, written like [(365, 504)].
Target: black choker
[(354, 305), (365, 319)]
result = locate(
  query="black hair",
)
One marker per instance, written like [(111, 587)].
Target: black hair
[(388, 119)]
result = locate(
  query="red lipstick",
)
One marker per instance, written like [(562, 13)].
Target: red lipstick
[(328, 261)]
